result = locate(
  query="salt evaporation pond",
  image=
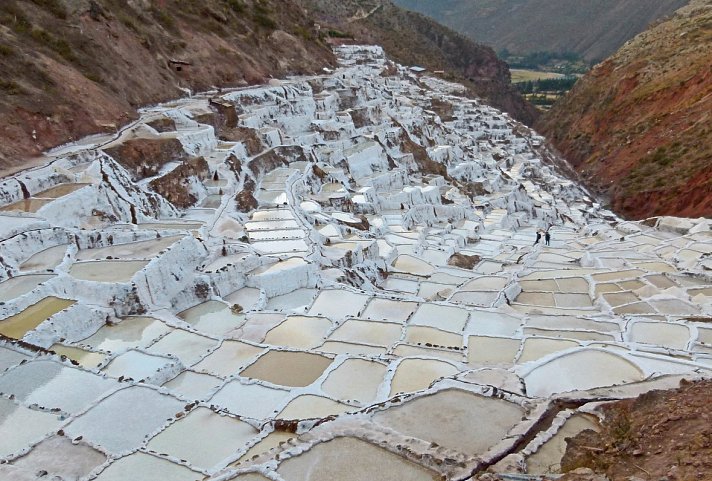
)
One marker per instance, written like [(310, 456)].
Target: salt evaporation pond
[(299, 342)]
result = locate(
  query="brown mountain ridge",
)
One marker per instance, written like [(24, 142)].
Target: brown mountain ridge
[(638, 127)]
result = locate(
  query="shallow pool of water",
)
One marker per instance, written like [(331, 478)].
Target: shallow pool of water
[(299, 332), (20, 324), (203, 438), (309, 406), (106, 271), (580, 370), (250, 400), (355, 379), (350, 459), (47, 259), (146, 468), (415, 374), (213, 317), (454, 419), (20, 285), (288, 368), (136, 332)]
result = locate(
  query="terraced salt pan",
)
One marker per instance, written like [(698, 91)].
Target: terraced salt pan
[(20, 324), (134, 250), (47, 259), (203, 438), (492, 350), (535, 348), (269, 442), (674, 336), (547, 459), (212, 317), (228, 359), (130, 332), (387, 309), (184, 345), (579, 370), (117, 425), (20, 285), (288, 368), (368, 332), (20, 426), (147, 468), (309, 406), (193, 385), (250, 400), (60, 457), (137, 365), (336, 347), (247, 298), (85, 358), (297, 300), (455, 419), (281, 246), (431, 336), (299, 332), (106, 271), (26, 205), (338, 304), (350, 459), (448, 318), (413, 374), (355, 379), (413, 265), (9, 358), (52, 385)]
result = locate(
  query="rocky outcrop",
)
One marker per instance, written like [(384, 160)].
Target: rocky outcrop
[(145, 157), (176, 185), (637, 127)]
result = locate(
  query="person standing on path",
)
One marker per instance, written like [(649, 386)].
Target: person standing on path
[(547, 236), (538, 237)]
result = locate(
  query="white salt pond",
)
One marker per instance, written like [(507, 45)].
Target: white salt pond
[(106, 271), (18, 325)]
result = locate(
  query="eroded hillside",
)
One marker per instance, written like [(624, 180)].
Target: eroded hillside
[(638, 127), (72, 68)]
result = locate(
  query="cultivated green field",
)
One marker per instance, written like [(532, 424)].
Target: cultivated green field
[(523, 75)]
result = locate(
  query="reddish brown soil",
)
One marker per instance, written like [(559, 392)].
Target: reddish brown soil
[(639, 126), (660, 435)]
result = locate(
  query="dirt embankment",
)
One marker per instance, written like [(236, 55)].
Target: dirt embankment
[(662, 435), (76, 67), (638, 127)]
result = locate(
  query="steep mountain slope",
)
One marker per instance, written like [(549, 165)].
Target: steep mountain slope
[(639, 126), (413, 39), (593, 29), (75, 67)]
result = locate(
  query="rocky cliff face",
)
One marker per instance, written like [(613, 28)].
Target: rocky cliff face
[(76, 67), (638, 127), (413, 39)]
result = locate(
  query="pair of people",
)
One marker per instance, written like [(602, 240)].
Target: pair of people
[(547, 236)]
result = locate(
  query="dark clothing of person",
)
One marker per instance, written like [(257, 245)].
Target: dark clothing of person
[(538, 238), (547, 238)]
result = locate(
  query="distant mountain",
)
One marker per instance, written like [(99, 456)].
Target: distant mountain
[(639, 125), (592, 28), (413, 39)]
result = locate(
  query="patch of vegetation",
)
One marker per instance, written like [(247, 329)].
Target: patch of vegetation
[(236, 6), (10, 87), (261, 16), (14, 18), (59, 45), (562, 62), (164, 18), (338, 34), (562, 85), (54, 7), (6, 51)]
